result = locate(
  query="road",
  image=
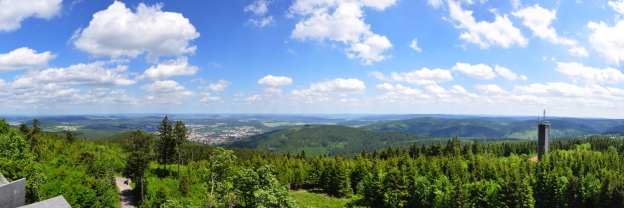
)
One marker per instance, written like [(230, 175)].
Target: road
[(125, 192)]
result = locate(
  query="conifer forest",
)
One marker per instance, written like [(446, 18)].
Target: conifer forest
[(168, 171)]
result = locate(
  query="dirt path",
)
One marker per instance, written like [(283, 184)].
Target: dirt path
[(125, 192)]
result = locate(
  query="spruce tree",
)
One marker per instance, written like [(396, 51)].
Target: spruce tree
[(179, 133)]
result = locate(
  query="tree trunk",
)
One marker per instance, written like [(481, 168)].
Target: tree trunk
[(142, 198), (178, 162)]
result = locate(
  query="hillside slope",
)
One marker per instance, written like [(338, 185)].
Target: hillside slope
[(329, 139), (512, 128)]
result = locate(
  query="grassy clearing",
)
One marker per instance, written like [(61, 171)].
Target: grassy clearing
[(309, 199)]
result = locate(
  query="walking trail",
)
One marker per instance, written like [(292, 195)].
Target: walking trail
[(125, 192)]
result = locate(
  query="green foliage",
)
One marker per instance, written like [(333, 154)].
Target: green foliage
[(330, 140), (577, 173), (260, 188), (139, 149), (81, 171)]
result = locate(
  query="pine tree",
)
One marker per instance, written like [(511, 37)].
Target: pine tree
[(139, 148), (166, 144), (179, 133)]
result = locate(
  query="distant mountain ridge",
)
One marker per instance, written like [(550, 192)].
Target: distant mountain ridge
[(492, 127)]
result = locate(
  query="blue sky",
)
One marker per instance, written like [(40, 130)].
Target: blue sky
[(312, 56)]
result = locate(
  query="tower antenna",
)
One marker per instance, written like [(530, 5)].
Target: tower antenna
[(544, 114)]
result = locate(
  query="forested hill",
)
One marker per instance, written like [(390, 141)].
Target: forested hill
[(516, 128), (328, 139)]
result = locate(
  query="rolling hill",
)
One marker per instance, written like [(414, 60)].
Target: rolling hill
[(487, 127), (328, 139)]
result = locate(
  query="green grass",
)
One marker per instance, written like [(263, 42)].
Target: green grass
[(309, 199)]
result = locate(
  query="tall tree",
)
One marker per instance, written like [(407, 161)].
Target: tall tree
[(70, 137), (166, 144), (139, 148), (179, 133), (23, 128)]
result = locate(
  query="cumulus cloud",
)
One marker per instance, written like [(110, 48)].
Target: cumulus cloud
[(117, 31), (167, 91), (538, 20), (166, 69), (479, 71), (424, 76), (13, 12), (605, 41), (435, 3), (206, 97), (456, 89), (578, 51), (516, 4), (275, 81), (94, 74), (265, 21), (414, 45), (578, 71), (24, 58), (270, 91), (342, 21), (618, 6), (258, 7), (508, 74), (339, 85), (399, 89), (219, 86), (555, 89), (253, 98), (490, 88), (501, 32)]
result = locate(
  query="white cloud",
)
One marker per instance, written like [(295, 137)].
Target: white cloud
[(370, 50), (24, 58), (435, 3), (577, 71), (578, 51), (339, 85), (555, 89), (117, 31), (275, 81), (206, 97), (618, 6), (479, 71), (219, 86), (490, 88), (508, 74), (342, 21), (253, 98), (456, 89), (94, 74), (258, 7), (414, 45), (516, 4), (399, 89), (13, 12), (165, 89), (424, 76), (270, 91), (265, 21), (538, 20), (165, 69), (501, 32), (607, 41)]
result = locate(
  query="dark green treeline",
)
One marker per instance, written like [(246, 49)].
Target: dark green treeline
[(577, 173)]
